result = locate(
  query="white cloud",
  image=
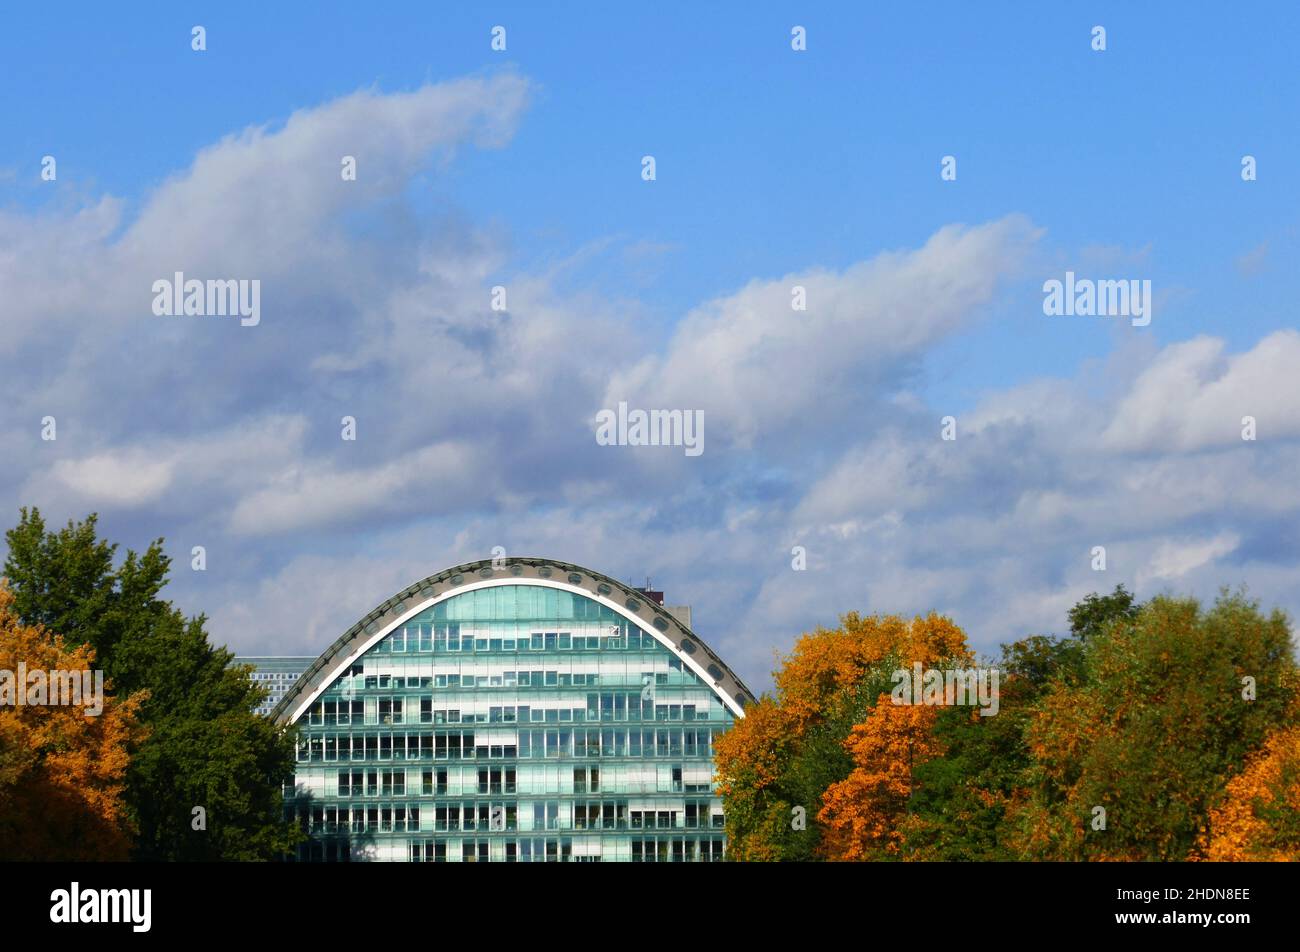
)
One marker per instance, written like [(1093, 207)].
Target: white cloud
[(1175, 558), (129, 479), (317, 495), (264, 198), (265, 203), (1194, 396), (755, 365), (171, 473)]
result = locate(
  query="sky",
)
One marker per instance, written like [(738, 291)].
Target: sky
[(775, 168)]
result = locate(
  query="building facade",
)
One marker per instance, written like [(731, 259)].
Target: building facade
[(276, 674), (518, 710)]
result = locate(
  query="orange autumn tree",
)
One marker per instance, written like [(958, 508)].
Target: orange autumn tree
[(1259, 818), (776, 763), (61, 771), (864, 814)]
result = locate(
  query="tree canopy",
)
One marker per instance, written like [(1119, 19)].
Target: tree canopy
[(62, 771), (206, 747), (1156, 731)]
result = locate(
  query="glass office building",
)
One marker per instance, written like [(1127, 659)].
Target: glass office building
[(276, 674), (517, 710)]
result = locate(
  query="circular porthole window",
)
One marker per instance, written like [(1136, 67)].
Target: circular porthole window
[(688, 646), (603, 589), (575, 578), (457, 579), (516, 570), (485, 573), (661, 624), (544, 571), (633, 605), (714, 672)]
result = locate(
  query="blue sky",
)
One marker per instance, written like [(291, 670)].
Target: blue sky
[(770, 163)]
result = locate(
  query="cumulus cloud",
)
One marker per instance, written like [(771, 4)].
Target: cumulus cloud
[(169, 475), (1175, 558), (1195, 396), (279, 191), (755, 365), (127, 479), (428, 481), (266, 203)]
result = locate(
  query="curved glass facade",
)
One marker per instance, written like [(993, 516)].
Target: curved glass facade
[(512, 723)]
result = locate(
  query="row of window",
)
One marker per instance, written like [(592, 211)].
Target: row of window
[(377, 818), (451, 745), (385, 783), (532, 850), (438, 639), (676, 850), (610, 706), (490, 781), (354, 681), (504, 817)]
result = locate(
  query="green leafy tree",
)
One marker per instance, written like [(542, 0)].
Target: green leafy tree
[(964, 799), (1092, 615), (1154, 728), (206, 747), (817, 761)]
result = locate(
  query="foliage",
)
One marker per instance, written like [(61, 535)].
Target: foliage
[(776, 764), (206, 746), (1096, 612), (1154, 729), (963, 798), (1259, 818), (1142, 711), (863, 814), (62, 789)]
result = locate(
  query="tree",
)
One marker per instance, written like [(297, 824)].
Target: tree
[(206, 747), (1091, 616), (1259, 816), (1136, 737), (751, 760), (1151, 732), (775, 764), (65, 581), (963, 799), (864, 814), (62, 770)]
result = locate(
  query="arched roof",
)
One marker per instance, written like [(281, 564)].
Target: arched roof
[(413, 599)]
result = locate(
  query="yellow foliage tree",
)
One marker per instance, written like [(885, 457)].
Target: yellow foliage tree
[(61, 770), (1259, 818)]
